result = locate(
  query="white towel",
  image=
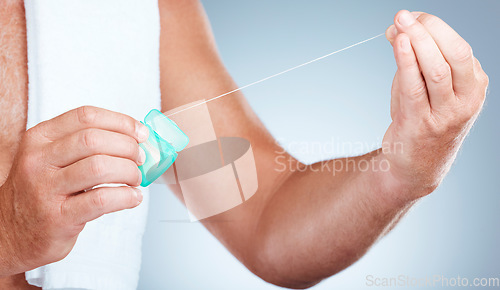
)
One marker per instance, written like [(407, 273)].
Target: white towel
[(103, 53)]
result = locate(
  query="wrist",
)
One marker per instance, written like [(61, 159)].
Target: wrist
[(17, 281), (388, 186), (9, 262)]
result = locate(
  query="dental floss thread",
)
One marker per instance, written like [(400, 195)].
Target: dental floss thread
[(275, 75)]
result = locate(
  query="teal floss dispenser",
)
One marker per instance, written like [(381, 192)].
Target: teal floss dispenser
[(164, 141)]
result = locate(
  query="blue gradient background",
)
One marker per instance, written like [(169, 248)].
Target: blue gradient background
[(454, 231)]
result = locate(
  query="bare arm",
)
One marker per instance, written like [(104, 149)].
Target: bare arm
[(13, 80), (302, 227), (13, 99)]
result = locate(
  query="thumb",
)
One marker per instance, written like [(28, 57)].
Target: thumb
[(392, 32)]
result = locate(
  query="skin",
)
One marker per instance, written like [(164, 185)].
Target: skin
[(301, 226)]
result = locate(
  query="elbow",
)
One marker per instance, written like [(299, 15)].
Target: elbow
[(283, 277), (273, 266), (290, 282)]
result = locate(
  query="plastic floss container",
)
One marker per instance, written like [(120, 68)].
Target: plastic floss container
[(164, 141)]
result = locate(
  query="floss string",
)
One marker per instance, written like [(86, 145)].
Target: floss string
[(278, 74)]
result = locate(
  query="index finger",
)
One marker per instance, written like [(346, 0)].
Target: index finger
[(92, 117)]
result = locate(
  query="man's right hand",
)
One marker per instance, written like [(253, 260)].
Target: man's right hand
[(50, 195)]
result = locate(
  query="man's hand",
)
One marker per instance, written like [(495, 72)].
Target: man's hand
[(437, 94), (49, 196)]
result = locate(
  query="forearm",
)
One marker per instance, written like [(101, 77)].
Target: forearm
[(9, 262), (13, 80), (13, 107), (325, 217)]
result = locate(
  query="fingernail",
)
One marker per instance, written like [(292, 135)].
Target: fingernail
[(140, 176), (416, 14), (405, 44), (406, 19), (142, 132), (138, 194), (142, 156)]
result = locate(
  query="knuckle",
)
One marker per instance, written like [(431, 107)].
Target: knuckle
[(133, 149), (440, 73), (98, 200), (97, 167), (463, 52), (485, 79), (86, 115), (481, 76), (90, 139), (129, 126)]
